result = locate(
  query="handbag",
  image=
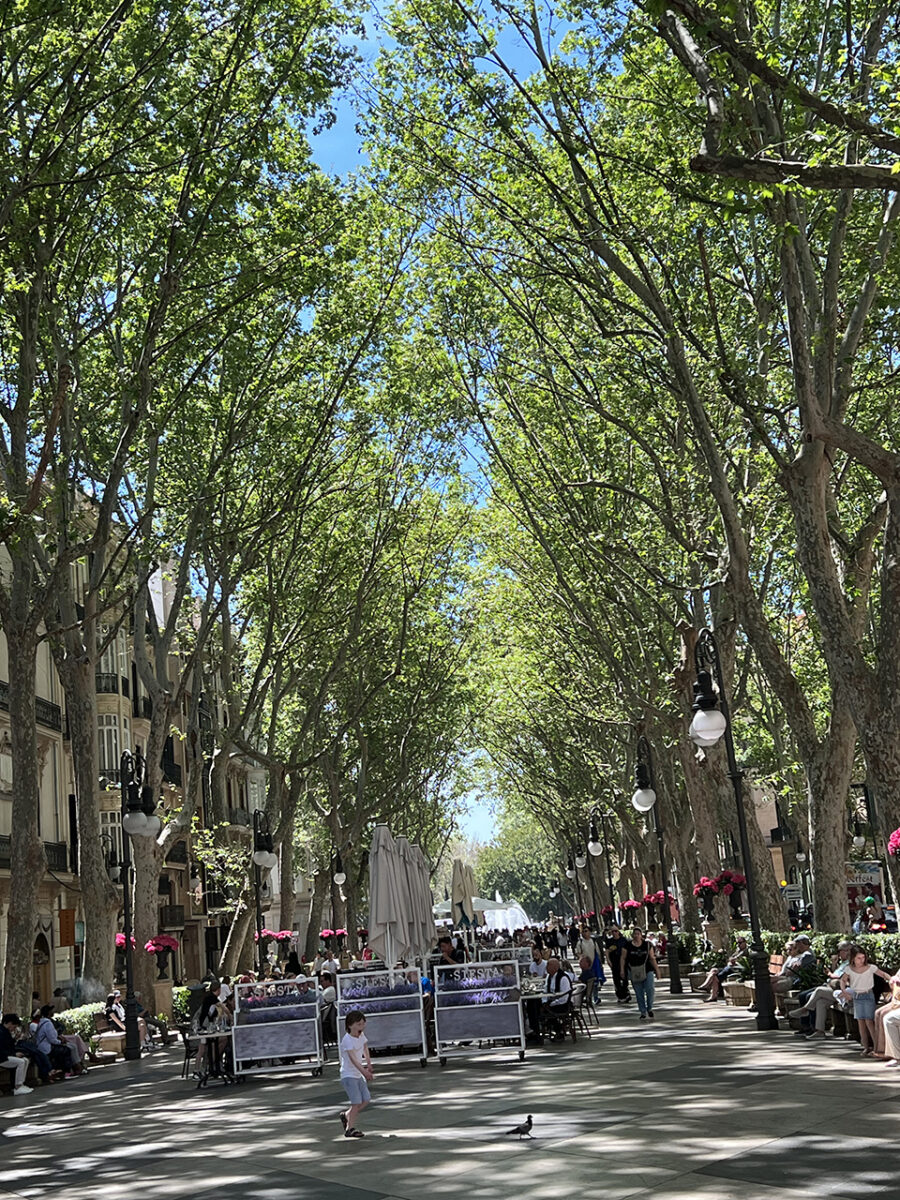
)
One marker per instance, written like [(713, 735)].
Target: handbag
[(638, 971)]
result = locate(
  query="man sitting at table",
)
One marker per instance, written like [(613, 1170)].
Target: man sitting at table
[(557, 996), (537, 966), (449, 955)]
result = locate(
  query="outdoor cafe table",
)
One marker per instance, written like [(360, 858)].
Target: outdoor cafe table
[(214, 1063), (533, 987)]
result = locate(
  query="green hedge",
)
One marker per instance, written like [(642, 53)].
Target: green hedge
[(882, 948), (81, 1020)]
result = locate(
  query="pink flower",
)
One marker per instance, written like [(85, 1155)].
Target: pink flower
[(326, 933), (727, 889), (340, 933), (162, 941), (120, 941), (894, 842)]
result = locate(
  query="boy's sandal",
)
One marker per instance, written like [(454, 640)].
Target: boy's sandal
[(354, 1133)]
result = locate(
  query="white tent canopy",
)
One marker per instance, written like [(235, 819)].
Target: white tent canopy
[(479, 904)]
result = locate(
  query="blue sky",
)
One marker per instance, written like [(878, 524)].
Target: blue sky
[(478, 821)]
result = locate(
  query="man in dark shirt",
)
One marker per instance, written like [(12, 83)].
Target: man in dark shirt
[(614, 943), (10, 1056), (449, 956)]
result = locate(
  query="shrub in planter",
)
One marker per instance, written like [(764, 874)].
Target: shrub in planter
[(81, 1020), (180, 1005)]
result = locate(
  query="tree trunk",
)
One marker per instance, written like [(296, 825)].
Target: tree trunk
[(828, 783), (772, 909), (100, 899), (27, 860), (321, 879), (147, 857), (881, 747), (286, 897), (242, 927)]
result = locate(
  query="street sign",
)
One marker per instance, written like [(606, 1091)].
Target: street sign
[(793, 891)]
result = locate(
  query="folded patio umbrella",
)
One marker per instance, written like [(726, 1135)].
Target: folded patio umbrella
[(388, 922)]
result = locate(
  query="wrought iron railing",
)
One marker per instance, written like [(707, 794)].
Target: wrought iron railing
[(171, 916)]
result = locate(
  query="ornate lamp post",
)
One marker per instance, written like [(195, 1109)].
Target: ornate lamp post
[(596, 849), (138, 820), (586, 862), (712, 721), (644, 800), (263, 859)]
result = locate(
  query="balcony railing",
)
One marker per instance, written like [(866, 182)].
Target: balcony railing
[(106, 681), (177, 854), (171, 916), (46, 712), (171, 772), (57, 854)]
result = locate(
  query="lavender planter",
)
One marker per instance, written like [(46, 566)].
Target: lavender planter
[(476, 1022), (391, 1028), (289, 1039)]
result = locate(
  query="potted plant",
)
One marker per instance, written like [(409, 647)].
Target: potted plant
[(161, 945), (706, 890)]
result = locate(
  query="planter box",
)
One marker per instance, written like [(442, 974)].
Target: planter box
[(288, 1039), (276, 1014), (477, 1022), (389, 1029)]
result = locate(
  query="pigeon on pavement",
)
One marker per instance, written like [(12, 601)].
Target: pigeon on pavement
[(523, 1130)]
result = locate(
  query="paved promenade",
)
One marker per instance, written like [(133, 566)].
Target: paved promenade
[(697, 1105)]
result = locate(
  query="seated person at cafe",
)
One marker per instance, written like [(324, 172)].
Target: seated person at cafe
[(537, 966), (450, 955), (557, 996)]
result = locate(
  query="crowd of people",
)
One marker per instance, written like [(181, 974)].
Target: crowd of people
[(854, 988)]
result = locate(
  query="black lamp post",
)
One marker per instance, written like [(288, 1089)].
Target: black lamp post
[(138, 820), (644, 800), (596, 849), (586, 863), (263, 859), (712, 720)]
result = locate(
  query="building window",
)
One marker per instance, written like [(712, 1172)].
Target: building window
[(108, 745), (111, 834)]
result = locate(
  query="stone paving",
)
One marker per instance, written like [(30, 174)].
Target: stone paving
[(698, 1104)]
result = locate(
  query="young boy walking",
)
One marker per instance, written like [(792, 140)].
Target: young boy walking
[(356, 1071)]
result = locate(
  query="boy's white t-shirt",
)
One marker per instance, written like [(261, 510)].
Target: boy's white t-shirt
[(348, 1043)]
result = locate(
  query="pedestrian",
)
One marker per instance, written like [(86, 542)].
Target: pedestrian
[(591, 964), (615, 942), (639, 961), (356, 1071), (858, 983)]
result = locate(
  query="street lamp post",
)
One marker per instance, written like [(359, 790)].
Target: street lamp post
[(581, 861), (644, 800), (138, 820), (589, 865), (570, 875), (712, 720), (263, 859), (595, 848)]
